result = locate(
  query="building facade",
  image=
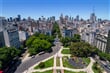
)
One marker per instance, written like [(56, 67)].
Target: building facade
[(11, 37), (101, 42), (108, 43), (2, 41)]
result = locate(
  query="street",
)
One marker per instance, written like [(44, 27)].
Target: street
[(28, 63), (102, 64)]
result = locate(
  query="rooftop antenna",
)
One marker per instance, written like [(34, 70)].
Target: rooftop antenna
[(93, 9)]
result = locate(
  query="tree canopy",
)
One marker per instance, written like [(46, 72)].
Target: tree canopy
[(67, 40), (56, 30), (39, 42), (7, 54), (103, 55), (81, 49)]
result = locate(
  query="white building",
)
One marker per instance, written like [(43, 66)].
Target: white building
[(101, 42), (22, 36)]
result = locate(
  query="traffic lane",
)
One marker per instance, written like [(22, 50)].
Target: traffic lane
[(102, 65), (105, 68), (25, 65)]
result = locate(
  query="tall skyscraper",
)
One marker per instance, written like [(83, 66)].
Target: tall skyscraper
[(61, 18), (77, 18), (2, 41), (11, 19), (19, 18), (3, 23), (93, 18), (11, 37)]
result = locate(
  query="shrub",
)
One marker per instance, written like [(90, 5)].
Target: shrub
[(42, 65)]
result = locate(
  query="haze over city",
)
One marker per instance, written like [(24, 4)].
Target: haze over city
[(54, 36), (47, 8)]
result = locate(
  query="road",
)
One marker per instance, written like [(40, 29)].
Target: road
[(102, 65), (27, 64)]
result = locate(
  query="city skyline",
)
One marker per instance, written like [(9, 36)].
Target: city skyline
[(54, 36), (47, 8)]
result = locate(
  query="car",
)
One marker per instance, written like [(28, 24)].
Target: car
[(41, 53), (107, 66), (33, 56)]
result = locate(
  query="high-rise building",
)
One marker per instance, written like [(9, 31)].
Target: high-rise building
[(52, 18), (77, 18), (61, 18), (2, 41), (11, 37), (108, 43), (19, 18), (3, 23), (11, 19), (92, 18)]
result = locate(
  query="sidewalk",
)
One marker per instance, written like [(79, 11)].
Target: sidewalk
[(88, 69)]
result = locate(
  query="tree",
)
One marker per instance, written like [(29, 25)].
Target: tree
[(42, 65), (81, 49), (45, 45), (38, 43), (32, 51), (50, 39), (0, 64), (66, 41), (104, 56), (56, 30), (76, 38), (29, 41), (7, 54)]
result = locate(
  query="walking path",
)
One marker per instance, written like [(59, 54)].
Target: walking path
[(88, 69)]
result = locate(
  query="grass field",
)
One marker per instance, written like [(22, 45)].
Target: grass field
[(65, 51), (48, 63)]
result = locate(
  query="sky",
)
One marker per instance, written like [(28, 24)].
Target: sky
[(47, 8)]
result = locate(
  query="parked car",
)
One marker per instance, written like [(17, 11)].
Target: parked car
[(41, 53), (107, 66), (33, 56)]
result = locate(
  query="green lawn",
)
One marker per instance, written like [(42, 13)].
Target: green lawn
[(66, 47), (48, 63), (72, 72), (65, 51), (66, 63), (50, 71), (58, 61), (86, 60)]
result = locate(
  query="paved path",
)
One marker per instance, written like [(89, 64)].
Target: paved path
[(88, 69), (26, 57), (54, 67), (25, 65)]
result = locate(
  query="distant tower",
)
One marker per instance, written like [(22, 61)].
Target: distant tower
[(93, 9), (93, 17), (11, 19), (77, 18), (3, 23), (19, 17), (61, 18)]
